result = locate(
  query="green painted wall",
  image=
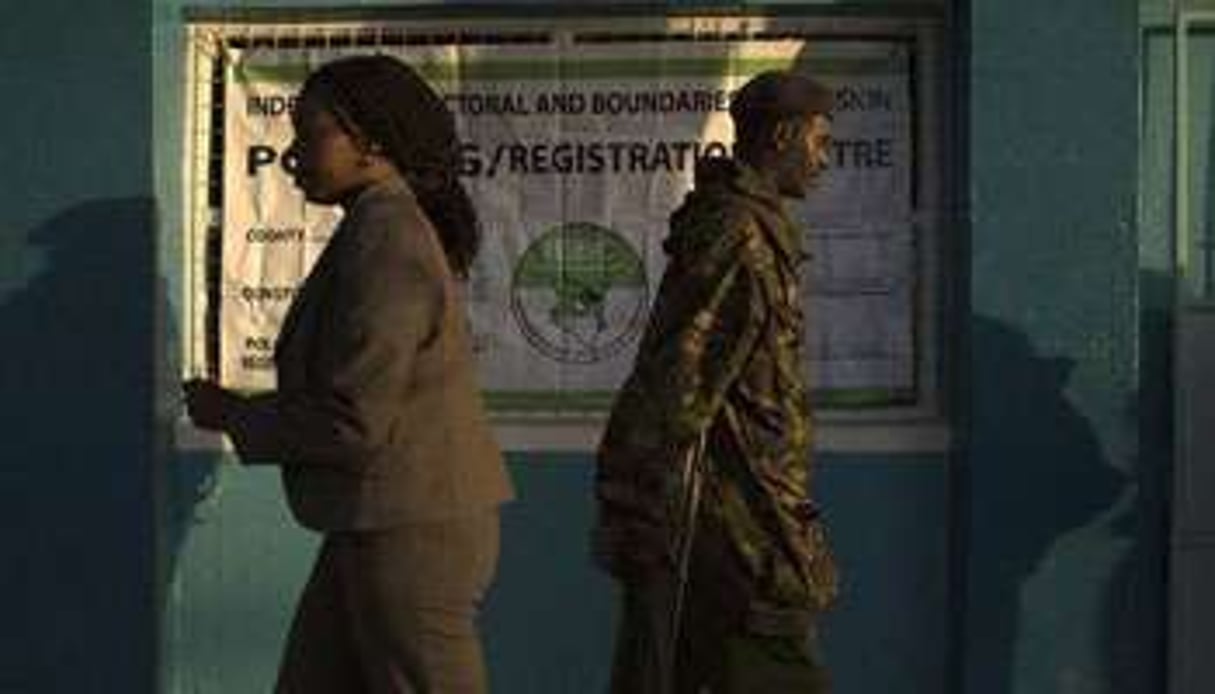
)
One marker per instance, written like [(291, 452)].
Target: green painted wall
[(78, 301)]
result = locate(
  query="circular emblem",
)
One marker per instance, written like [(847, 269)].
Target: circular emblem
[(579, 293)]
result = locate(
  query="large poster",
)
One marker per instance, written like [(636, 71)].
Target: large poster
[(575, 150)]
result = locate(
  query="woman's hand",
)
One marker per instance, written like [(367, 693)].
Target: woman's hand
[(208, 405)]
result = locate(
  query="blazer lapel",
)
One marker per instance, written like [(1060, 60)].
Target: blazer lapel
[(305, 299), (309, 299)]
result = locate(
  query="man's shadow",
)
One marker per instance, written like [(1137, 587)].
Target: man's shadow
[(90, 515), (1035, 471)]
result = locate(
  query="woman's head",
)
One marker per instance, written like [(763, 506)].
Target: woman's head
[(393, 121), (330, 159)]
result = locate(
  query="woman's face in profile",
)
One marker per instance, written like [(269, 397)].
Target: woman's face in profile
[(328, 163)]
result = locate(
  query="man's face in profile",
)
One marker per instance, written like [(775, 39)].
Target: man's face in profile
[(803, 153)]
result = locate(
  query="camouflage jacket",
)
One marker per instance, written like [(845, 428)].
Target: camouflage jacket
[(723, 354)]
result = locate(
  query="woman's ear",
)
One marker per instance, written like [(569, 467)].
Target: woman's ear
[(370, 152)]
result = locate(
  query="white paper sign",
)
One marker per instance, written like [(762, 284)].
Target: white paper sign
[(575, 157)]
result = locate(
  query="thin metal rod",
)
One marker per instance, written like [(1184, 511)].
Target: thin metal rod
[(1181, 158)]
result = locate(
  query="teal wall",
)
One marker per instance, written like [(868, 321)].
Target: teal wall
[(1027, 561), (1063, 468), (548, 620), (78, 335)]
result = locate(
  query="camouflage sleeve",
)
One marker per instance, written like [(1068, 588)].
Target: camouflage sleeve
[(707, 326), (707, 316)]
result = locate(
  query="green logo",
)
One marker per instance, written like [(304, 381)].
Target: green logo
[(579, 293)]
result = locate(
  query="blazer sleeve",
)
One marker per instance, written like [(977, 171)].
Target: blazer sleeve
[(385, 303)]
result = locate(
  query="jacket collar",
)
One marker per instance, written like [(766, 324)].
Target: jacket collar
[(744, 180), (388, 187)]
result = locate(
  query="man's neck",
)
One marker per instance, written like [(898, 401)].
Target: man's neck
[(761, 164)]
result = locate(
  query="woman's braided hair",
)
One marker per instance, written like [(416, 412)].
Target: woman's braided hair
[(385, 101)]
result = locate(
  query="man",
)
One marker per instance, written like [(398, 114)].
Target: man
[(703, 473)]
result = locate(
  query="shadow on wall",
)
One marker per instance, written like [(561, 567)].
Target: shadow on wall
[(1036, 472), (78, 457)]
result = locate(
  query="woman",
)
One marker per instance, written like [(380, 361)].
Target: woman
[(376, 420)]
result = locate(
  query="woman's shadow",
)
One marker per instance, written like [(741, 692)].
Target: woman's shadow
[(90, 515)]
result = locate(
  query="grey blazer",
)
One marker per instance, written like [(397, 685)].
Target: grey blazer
[(377, 419)]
